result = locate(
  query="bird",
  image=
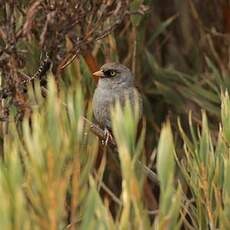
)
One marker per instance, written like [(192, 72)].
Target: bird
[(116, 82)]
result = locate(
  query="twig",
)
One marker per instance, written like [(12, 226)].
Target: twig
[(99, 132), (109, 192), (111, 143)]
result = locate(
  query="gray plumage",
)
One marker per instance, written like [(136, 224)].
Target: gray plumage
[(116, 82)]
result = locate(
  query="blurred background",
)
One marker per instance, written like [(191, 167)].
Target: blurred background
[(178, 51)]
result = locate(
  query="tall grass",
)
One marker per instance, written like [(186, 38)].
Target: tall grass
[(48, 179), (57, 175)]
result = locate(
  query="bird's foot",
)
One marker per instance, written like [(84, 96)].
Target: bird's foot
[(107, 136)]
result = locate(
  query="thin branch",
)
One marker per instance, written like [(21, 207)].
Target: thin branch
[(99, 132), (112, 144)]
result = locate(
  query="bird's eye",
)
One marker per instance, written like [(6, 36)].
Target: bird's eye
[(112, 73)]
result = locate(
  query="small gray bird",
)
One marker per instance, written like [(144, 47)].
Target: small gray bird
[(116, 82)]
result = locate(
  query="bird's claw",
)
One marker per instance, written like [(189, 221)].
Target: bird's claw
[(107, 136)]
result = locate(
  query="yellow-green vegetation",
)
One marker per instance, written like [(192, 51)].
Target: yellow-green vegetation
[(48, 174)]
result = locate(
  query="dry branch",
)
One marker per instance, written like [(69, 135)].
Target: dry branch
[(112, 144)]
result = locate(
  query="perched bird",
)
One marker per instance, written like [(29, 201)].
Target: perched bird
[(116, 82)]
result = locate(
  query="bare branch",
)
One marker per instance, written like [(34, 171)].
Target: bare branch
[(112, 144)]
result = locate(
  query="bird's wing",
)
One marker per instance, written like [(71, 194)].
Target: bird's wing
[(134, 97)]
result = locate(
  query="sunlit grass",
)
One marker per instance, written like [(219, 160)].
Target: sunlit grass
[(51, 176), (48, 177)]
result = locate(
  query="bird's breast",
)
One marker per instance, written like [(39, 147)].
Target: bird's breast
[(103, 99)]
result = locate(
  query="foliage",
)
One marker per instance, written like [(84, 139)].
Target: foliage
[(61, 30), (47, 177), (55, 174)]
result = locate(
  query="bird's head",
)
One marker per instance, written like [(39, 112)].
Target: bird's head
[(114, 75)]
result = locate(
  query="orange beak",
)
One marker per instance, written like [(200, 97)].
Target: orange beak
[(98, 74)]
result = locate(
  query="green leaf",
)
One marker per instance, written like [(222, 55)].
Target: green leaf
[(165, 157), (134, 6), (225, 116), (161, 29)]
